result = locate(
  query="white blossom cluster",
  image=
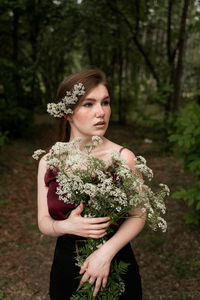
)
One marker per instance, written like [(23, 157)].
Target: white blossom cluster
[(96, 140), (37, 153), (142, 167), (69, 185), (58, 110), (122, 287), (104, 187)]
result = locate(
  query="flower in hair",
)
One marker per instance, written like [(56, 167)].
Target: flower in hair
[(59, 109)]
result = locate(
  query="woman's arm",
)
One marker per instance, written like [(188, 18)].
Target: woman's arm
[(75, 224), (96, 267)]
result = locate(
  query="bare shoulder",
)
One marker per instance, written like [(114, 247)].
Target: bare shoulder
[(126, 154), (43, 163), (129, 157)]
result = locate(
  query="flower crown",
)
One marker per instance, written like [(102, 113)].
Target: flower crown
[(58, 110)]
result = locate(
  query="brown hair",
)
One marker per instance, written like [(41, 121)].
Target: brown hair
[(90, 79)]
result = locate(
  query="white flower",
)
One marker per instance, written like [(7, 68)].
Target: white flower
[(141, 158), (162, 224), (114, 155), (122, 287), (53, 163), (58, 110), (52, 110), (142, 167), (96, 140), (143, 209), (37, 153), (165, 188), (118, 208), (90, 189)]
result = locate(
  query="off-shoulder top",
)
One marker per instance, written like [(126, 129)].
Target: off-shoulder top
[(58, 209)]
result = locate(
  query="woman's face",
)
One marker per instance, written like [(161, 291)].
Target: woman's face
[(91, 116)]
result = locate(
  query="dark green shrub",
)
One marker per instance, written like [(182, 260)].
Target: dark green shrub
[(187, 138), (15, 120), (3, 138)]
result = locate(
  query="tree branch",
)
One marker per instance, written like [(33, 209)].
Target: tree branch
[(136, 41)]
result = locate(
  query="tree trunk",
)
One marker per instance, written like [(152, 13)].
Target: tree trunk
[(121, 106), (181, 49), (34, 31), (16, 78)]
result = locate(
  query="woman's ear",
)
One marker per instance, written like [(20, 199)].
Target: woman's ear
[(68, 117)]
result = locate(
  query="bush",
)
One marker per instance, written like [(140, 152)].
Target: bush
[(187, 138), (15, 120), (3, 138)]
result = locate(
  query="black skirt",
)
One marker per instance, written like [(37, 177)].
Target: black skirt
[(63, 281)]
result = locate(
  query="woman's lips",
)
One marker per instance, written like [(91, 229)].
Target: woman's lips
[(100, 124)]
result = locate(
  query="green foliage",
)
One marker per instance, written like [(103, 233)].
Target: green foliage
[(187, 139), (43, 41), (36, 50), (2, 294), (184, 296), (3, 138), (15, 121), (180, 269)]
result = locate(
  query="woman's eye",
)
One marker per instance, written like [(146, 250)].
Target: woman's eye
[(106, 102), (87, 104)]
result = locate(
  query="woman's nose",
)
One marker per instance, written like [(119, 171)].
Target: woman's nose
[(100, 111)]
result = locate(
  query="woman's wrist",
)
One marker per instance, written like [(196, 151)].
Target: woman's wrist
[(107, 250), (57, 227)]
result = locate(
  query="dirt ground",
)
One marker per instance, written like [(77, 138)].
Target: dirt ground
[(169, 262)]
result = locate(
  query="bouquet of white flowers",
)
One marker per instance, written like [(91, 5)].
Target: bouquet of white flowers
[(106, 189)]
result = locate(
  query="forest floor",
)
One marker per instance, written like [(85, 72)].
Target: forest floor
[(169, 262)]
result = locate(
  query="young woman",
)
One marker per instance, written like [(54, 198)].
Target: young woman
[(90, 117)]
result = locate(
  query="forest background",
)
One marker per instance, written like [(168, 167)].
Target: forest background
[(150, 53)]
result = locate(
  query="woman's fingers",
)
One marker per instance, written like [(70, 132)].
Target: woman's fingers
[(97, 220), (97, 236), (98, 226), (104, 282), (97, 232), (92, 280), (84, 267), (96, 270), (97, 286), (84, 278)]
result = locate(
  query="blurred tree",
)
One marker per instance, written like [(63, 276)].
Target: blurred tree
[(106, 44), (151, 23), (140, 45), (37, 41)]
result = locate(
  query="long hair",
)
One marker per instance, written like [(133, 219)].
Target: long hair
[(90, 79)]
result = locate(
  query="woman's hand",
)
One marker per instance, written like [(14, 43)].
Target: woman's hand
[(86, 227), (96, 270)]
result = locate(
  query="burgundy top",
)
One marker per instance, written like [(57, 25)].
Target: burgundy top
[(57, 208)]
